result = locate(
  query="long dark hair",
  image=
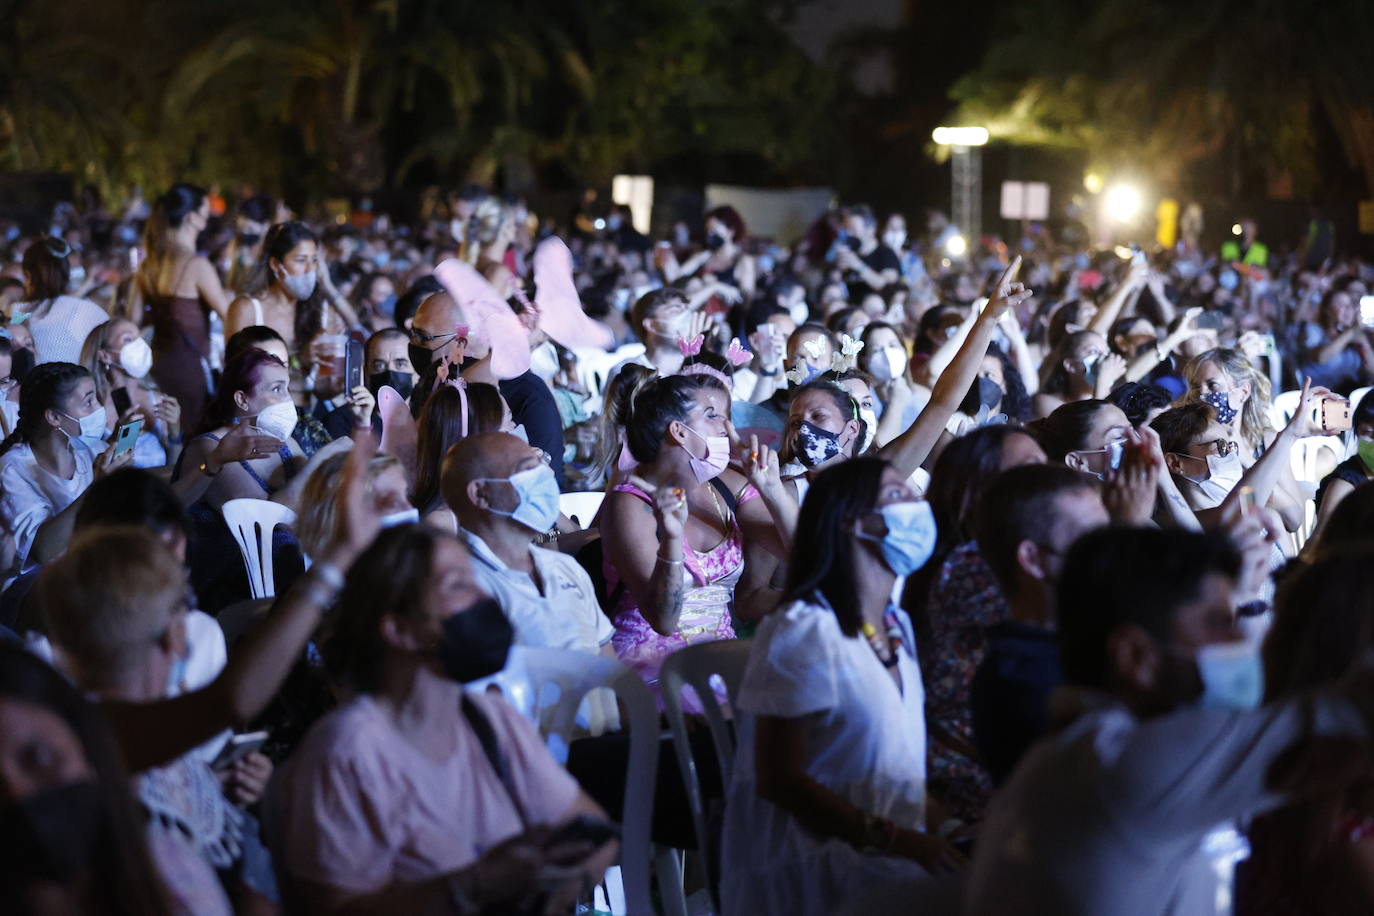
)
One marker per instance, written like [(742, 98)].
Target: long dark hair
[(123, 880), (241, 373), (390, 577), (822, 562), (844, 403), (169, 212), (45, 262), (1066, 428), (657, 405), (46, 386), (441, 426), (279, 242)]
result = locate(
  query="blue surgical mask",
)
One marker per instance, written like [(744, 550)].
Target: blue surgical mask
[(537, 491), (910, 538), (176, 677), (1232, 675)]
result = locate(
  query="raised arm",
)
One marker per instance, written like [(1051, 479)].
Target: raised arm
[(908, 450), (644, 542), (1111, 309), (209, 287)]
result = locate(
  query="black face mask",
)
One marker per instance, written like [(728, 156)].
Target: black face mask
[(50, 835), (403, 382), (249, 239), (715, 241), (21, 364), (984, 393), (474, 643)]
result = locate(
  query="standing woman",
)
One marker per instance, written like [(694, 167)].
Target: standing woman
[(828, 796), (59, 322), (173, 290), (118, 359), (723, 260)]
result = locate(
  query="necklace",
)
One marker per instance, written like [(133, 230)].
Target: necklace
[(720, 511), (884, 645)]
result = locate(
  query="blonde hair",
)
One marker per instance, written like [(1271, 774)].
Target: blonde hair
[(318, 518), (110, 596), (1254, 416)]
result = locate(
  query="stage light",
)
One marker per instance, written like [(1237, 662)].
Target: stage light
[(1123, 203), (960, 136), (1093, 182), (956, 245), (1236, 230)]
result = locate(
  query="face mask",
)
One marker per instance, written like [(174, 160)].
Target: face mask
[(404, 517), (474, 643), (1223, 475), (621, 299), (249, 239), (1220, 401), (388, 306), (76, 278), (136, 357), (800, 312), (92, 424), (715, 241), (176, 677), (277, 420), (717, 456), (894, 240), (985, 394), (537, 492), (422, 358), (1090, 367), (1232, 675), (910, 538), (1365, 449), (870, 418), (814, 446), (1228, 279), (672, 328), (22, 364), (381, 259), (888, 363), (49, 835), (403, 382), (300, 286), (613, 222)]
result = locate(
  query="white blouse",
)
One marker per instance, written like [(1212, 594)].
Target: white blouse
[(30, 494), (865, 740)]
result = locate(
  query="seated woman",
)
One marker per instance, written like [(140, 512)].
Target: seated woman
[(451, 414), (119, 361), (245, 450), (1079, 368), (460, 831), (674, 533), (46, 464), (79, 845), (1353, 471), (386, 484), (829, 791)]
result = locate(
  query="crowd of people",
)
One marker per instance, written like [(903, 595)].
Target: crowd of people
[(1050, 560)]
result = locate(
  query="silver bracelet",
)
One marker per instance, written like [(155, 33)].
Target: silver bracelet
[(663, 559)]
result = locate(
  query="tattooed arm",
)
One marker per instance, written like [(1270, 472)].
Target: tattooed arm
[(644, 544)]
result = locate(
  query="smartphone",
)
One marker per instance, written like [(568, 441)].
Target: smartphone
[(236, 748), (353, 364), (126, 436), (121, 400), (1247, 501), (1335, 415), (1367, 311), (1270, 346), (584, 829)]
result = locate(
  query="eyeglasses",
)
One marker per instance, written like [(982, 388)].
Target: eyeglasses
[(430, 341), (1224, 447)]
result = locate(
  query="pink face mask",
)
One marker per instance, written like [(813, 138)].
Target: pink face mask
[(717, 456)]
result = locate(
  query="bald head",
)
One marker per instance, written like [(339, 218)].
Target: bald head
[(485, 456)]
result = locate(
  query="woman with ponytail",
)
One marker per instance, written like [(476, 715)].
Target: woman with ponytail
[(173, 289), (53, 455)]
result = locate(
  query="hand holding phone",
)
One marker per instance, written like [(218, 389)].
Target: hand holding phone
[(126, 436), (1334, 414), (236, 748)]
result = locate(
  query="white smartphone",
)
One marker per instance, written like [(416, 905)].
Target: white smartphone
[(236, 748)]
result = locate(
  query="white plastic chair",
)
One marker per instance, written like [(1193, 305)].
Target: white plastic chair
[(252, 521), (1282, 408), (581, 507), (594, 368), (696, 667), (557, 682)]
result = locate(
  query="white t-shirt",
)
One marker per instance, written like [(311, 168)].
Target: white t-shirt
[(865, 740), (30, 495), (59, 333), (565, 615)]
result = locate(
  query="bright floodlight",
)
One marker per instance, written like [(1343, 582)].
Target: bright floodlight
[(1093, 183), (960, 136), (956, 245), (1123, 203), (1236, 229)]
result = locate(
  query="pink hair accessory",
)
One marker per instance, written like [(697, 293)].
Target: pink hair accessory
[(691, 347), (461, 330), (703, 369), (736, 353), (460, 384), (626, 462)]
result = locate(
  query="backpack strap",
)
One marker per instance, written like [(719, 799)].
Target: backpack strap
[(486, 736)]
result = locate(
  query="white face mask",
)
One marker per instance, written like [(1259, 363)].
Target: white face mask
[(92, 424), (404, 517), (300, 286), (799, 312), (277, 420), (1223, 475), (870, 418), (136, 357), (894, 239), (888, 363)]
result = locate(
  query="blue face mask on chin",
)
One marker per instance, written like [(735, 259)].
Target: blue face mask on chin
[(1232, 675)]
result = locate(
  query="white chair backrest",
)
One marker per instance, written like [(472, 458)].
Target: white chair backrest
[(699, 667), (556, 681), (1306, 456), (1282, 408), (594, 369), (581, 507), (251, 522)]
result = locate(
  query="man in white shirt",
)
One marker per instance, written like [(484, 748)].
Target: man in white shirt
[(504, 496)]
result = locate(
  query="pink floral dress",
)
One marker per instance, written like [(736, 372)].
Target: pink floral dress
[(711, 578)]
